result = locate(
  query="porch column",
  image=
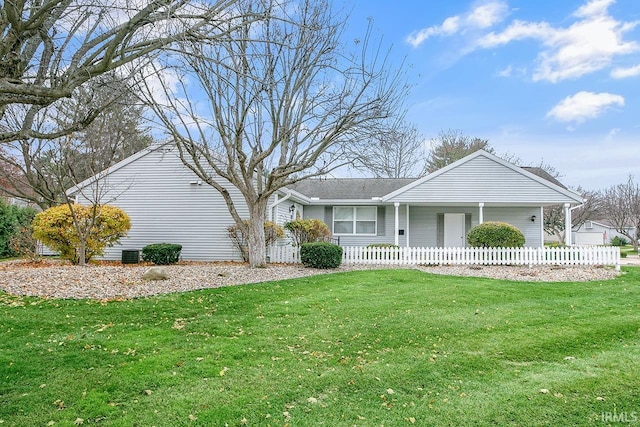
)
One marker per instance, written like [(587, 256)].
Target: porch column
[(406, 228), (542, 235), (567, 224), (480, 213), (397, 222)]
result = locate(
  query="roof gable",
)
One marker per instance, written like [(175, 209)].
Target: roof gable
[(483, 177), (121, 164)]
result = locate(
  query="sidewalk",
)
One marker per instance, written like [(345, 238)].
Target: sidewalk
[(630, 260)]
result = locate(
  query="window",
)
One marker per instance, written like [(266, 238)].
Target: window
[(355, 220)]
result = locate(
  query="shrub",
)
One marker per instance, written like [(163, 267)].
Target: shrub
[(307, 231), (383, 245), (104, 226), (619, 241), (24, 244), (493, 234), (162, 253), (321, 255), (13, 219), (272, 232)]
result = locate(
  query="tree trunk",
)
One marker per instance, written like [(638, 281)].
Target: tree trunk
[(81, 252), (256, 239)]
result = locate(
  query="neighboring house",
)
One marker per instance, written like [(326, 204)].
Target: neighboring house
[(597, 232), (167, 203)]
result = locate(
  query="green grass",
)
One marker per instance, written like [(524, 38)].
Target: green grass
[(362, 348), (628, 249)]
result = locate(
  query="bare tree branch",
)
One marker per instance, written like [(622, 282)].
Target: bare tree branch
[(621, 206), (49, 48), (277, 102), (397, 152), (450, 146)]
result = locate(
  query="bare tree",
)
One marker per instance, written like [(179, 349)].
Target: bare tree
[(397, 152), (41, 170), (282, 99), (451, 146), (621, 207), (554, 221), (49, 48)]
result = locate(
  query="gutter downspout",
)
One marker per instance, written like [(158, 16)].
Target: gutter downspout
[(276, 203)]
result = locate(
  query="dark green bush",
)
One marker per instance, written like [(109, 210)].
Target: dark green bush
[(493, 234), (321, 255), (619, 241), (162, 253), (13, 219), (382, 245)]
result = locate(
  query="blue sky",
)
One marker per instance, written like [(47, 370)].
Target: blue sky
[(552, 81)]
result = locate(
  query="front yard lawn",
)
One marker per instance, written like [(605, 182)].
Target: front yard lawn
[(366, 348)]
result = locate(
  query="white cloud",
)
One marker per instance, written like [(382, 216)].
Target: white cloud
[(506, 72), (594, 7), (481, 16), (590, 44), (621, 73), (584, 105)]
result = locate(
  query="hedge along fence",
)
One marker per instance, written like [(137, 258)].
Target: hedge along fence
[(574, 255)]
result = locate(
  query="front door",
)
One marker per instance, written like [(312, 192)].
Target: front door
[(454, 228)]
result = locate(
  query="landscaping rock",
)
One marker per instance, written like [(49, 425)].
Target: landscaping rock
[(155, 273), (61, 280)]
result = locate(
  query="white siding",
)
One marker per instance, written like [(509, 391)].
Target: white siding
[(606, 234), (520, 218), (156, 191), (481, 179)]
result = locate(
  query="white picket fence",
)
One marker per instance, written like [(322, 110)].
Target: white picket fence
[(574, 255)]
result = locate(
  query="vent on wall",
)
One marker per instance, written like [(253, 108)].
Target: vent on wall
[(588, 225)]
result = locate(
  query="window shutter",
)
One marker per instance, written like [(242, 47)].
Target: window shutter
[(328, 217), (467, 227), (440, 230), (382, 210)]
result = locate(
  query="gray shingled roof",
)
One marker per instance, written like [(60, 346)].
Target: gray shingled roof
[(349, 188), (544, 175)]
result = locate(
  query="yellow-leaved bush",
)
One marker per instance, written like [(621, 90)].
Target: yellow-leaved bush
[(101, 226)]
